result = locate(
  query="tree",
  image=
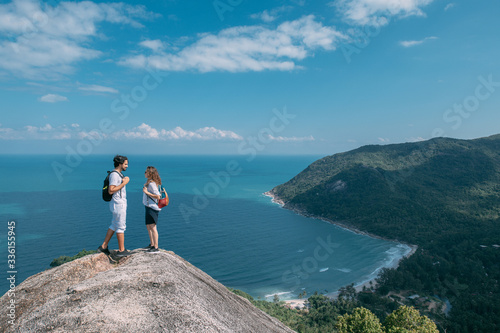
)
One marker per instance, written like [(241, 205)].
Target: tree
[(347, 299), (360, 321), (317, 300), (64, 259), (408, 320)]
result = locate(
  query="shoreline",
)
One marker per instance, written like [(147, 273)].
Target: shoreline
[(282, 204), (370, 283), (274, 199)]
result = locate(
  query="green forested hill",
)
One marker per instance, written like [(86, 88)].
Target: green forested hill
[(400, 160), (442, 194)]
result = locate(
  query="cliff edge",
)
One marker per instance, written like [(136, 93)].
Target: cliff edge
[(142, 293)]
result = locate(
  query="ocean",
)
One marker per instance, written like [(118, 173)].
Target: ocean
[(218, 219)]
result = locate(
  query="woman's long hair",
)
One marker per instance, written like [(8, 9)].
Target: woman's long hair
[(152, 175)]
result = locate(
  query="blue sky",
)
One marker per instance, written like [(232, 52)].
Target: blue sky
[(226, 76)]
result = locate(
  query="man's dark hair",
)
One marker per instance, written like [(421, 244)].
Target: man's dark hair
[(119, 159)]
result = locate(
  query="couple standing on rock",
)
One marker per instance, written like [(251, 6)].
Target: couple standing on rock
[(118, 206)]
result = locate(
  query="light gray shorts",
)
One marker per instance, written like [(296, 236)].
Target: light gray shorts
[(118, 223)]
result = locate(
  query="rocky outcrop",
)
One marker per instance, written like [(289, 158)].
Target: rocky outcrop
[(142, 293)]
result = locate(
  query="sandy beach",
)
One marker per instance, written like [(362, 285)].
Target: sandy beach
[(296, 303), (300, 303), (370, 284)]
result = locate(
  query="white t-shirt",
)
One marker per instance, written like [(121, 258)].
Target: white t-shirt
[(119, 197), (149, 202)]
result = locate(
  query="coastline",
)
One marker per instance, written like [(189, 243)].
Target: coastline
[(282, 204), (274, 198), (368, 284)]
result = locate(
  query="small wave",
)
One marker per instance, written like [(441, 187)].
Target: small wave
[(395, 254), (300, 251), (344, 270), (393, 250), (323, 269), (374, 274), (278, 293)]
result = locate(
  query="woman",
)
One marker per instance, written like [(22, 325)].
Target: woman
[(150, 200)]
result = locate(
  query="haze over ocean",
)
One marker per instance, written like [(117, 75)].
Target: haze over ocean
[(222, 224)]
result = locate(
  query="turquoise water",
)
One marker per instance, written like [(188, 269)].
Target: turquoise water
[(218, 219)]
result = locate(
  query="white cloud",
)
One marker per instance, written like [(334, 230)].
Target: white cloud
[(291, 139), (155, 45), (44, 42), (42, 57), (212, 133), (378, 12), (246, 48), (46, 132), (46, 128), (264, 16), (53, 98), (413, 139), (383, 140), (269, 16), (449, 6), (141, 132), (145, 131), (410, 43), (99, 89), (7, 133)]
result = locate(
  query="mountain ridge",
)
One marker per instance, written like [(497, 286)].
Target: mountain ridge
[(370, 155)]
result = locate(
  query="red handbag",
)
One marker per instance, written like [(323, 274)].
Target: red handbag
[(163, 202)]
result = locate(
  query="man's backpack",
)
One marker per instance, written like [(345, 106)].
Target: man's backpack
[(105, 192)]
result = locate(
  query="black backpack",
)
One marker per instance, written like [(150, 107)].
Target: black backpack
[(105, 193)]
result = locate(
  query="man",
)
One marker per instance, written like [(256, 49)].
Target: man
[(118, 206)]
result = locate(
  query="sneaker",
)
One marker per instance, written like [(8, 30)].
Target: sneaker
[(153, 250), (148, 247), (123, 253), (103, 250)]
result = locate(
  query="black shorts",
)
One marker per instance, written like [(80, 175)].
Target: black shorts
[(151, 215)]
